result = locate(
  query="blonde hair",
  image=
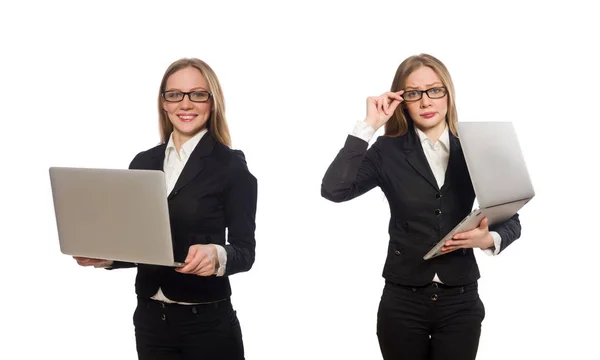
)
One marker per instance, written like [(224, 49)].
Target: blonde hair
[(398, 124), (217, 123)]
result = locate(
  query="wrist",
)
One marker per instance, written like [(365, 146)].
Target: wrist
[(489, 242), (215, 255), (372, 123)]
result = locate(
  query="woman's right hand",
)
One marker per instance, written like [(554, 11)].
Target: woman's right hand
[(84, 261), (381, 108)]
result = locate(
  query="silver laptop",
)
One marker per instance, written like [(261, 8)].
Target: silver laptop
[(498, 172), (113, 214)]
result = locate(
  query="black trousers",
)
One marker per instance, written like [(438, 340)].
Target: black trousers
[(433, 322), (187, 332)]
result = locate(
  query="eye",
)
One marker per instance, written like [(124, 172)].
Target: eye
[(200, 94), (173, 95), (412, 94)]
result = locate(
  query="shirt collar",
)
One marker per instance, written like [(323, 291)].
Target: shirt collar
[(187, 147), (444, 137)]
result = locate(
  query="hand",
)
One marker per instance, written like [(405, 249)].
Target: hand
[(479, 237), (84, 261), (202, 260), (381, 108)]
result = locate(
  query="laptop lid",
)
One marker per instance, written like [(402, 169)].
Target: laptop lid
[(495, 162), (112, 214)]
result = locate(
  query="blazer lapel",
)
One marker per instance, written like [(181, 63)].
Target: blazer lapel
[(416, 157), (454, 160), (195, 163)]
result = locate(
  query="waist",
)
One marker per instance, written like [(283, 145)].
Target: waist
[(194, 308), (435, 287)]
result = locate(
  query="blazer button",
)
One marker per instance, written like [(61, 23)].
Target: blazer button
[(398, 252), (438, 195), (437, 211)]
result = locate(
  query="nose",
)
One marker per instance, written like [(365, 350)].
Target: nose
[(185, 102), (425, 100)]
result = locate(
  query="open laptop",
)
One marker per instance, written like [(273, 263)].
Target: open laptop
[(113, 214), (498, 172)]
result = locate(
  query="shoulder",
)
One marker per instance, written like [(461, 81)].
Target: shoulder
[(386, 142), (144, 157), (232, 159)]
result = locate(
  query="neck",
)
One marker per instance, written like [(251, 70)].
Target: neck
[(179, 138), (435, 132)]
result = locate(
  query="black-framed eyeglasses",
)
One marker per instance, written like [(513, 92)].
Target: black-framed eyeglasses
[(437, 92), (198, 96)]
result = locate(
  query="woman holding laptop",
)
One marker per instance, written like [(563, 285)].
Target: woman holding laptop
[(186, 312), (430, 309)]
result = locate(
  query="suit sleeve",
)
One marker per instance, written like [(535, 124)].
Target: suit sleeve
[(509, 231), (135, 164), (353, 172), (240, 211)]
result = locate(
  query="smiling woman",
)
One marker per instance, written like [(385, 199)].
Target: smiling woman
[(187, 313)]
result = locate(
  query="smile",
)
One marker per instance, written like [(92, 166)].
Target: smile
[(186, 117)]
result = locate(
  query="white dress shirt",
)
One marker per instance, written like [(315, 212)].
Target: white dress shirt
[(173, 165), (437, 155)]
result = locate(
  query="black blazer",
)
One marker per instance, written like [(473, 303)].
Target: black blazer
[(214, 192), (421, 212)]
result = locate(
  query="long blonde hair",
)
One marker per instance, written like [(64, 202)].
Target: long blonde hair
[(398, 124), (217, 123)]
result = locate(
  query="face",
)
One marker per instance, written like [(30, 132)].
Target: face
[(428, 114), (187, 117)]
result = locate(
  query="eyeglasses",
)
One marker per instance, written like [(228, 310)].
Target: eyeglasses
[(433, 93), (198, 96)]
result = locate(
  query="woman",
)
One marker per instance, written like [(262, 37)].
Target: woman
[(430, 309), (186, 313)]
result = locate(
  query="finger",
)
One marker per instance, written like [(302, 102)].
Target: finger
[(394, 105), (448, 249), (395, 95), (192, 264), (191, 254), (205, 268), (459, 243), (484, 223), (202, 265), (380, 105), (189, 267), (466, 234), (83, 261), (387, 106), (208, 270)]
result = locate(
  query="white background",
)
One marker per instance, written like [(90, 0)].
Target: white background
[(78, 86)]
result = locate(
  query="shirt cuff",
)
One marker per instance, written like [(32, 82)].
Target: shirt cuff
[(104, 265), (222, 254), (363, 131), (497, 243)]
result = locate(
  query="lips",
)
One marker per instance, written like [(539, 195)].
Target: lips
[(186, 117), (428, 115)]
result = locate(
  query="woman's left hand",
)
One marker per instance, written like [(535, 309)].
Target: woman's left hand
[(202, 260), (479, 237)]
